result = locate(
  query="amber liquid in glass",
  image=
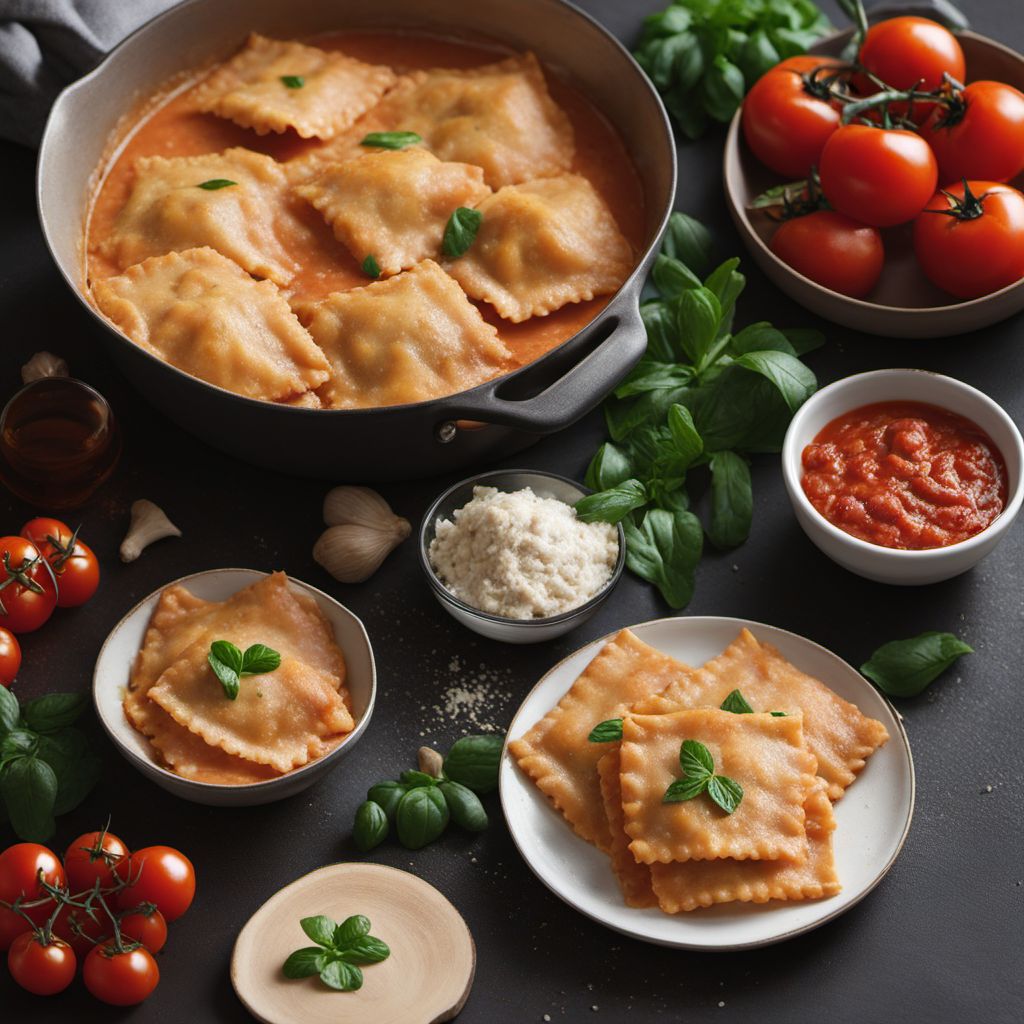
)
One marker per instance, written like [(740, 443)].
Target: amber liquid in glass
[(58, 442)]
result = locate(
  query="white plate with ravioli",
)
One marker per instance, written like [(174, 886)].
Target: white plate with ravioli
[(872, 817)]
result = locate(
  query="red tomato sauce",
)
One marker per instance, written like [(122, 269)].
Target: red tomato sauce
[(905, 475)]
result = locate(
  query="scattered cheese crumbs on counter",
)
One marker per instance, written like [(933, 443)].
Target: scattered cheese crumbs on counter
[(522, 556)]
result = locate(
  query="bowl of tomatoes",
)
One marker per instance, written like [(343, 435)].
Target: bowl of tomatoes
[(883, 192)]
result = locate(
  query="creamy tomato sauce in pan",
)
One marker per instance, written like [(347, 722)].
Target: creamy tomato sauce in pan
[(176, 128)]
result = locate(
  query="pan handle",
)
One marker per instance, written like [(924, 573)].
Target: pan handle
[(617, 341)]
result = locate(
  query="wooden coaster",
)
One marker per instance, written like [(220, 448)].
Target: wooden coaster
[(426, 979)]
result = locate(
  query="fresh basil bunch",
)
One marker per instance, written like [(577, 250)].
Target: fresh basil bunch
[(700, 396), (47, 766), (703, 55)]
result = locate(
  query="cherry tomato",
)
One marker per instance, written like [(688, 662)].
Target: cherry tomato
[(978, 251), (28, 591), (120, 979), (10, 657), (149, 929), (75, 566), (981, 135), (20, 869), (908, 53), (832, 250), (91, 858), (159, 875), (787, 117), (11, 926), (80, 931), (43, 969), (877, 176)]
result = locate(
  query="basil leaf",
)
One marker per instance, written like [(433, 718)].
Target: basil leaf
[(413, 777), (342, 976), (608, 468), (905, 668), (474, 761), (228, 677), (689, 115), (464, 806), (10, 713), (667, 22), (650, 376), (390, 140), (725, 792), (293, 81), (727, 283), (367, 950), (732, 500), (685, 788), (54, 711), (387, 795), (227, 654), (695, 759), (351, 930), (665, 550), (777, 714), (803, 339), (794, 381), (17, 743), (28, 786), (757, 56), (662, 59), (421, 817), (304, 963), (623, 417), (213, 184), (739, 411), (613, 505), (722, 89), (689, 66), (75, 782), (319, 928), (258, 660), (660, 324), (760, 337), (371, 826), (737, 704), (607, 731), (688, 241), (686, 442), (460, 231), (698, 315), (371, 268), (673, 278)]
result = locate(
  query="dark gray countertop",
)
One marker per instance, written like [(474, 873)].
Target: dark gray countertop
[(939, 940)]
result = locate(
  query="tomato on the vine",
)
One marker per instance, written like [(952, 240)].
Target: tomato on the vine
[(974, 244), (21, 867), (43, 969), (877, 176), (159, 875), (28, 591), (120, 978), (832, 250), (75, 566), (788, 116), (92, 857), (980, 134), (149, 929), (10, 657)]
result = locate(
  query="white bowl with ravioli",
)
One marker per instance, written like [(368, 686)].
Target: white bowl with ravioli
[(114, 664)]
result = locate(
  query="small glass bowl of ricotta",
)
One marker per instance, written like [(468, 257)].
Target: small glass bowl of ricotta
[(506, 556)]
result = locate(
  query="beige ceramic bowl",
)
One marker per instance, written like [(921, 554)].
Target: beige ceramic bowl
[(904, 304)]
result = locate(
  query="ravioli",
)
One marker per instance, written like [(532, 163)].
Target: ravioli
[(542, 245), (393, 204), (764, 754), (202, 313), (838, 733), (497, 116), (169, 210), (556, 753), (410, 338), (272, 85)]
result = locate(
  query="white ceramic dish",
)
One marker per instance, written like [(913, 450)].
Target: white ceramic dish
[(873, 818), (497, 627), (113, 666), (888, 565)]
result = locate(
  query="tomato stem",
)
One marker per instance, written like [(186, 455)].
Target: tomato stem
[(883, 99), (971, 207)]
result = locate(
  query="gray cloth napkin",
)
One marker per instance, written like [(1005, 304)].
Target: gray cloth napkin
[(45, 44)]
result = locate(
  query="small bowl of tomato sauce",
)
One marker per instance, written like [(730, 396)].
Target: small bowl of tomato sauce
[(904, 476)]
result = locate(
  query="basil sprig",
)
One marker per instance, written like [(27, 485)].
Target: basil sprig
[(702, 55), (47, 765), (390, 140), (213, 184), (460, 231), (231, 665), (702, 396), (905, 668), (340, 951), (293, 81), (699, 776)]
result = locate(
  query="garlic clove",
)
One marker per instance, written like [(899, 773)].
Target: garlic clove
[(358, 506), (430, 761), (352, 553), (149, 524), (44, 364)]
